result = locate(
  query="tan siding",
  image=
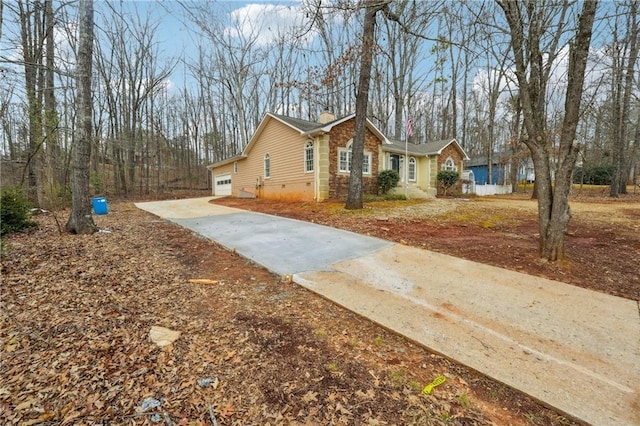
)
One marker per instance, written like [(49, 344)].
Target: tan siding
[(286, 153), (422, 168)]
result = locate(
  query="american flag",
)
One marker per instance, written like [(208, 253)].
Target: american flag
[(409, 127)]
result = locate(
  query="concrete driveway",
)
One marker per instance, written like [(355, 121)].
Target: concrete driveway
[(571, 348)]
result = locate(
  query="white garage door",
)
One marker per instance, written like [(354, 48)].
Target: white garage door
[(223, 185)]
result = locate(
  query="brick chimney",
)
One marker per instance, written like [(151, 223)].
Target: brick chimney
[(326, 117)]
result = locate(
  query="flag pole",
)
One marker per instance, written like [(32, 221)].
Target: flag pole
[(406, 163), (408, 132)]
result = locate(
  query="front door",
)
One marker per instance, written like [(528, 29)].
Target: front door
[(396, 163)]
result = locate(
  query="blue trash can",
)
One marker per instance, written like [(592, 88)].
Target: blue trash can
[(100, 205)]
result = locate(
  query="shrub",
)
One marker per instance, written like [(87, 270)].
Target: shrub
[(387, 179), (14, 212), (394, 197), (599, 174), (447, 178)]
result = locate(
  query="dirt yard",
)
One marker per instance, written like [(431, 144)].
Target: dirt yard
[(76, 311)]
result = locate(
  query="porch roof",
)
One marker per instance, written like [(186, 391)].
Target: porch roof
[(429, 148)]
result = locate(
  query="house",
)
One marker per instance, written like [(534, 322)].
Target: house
[(480, 167), (294, 159), (501, 166)]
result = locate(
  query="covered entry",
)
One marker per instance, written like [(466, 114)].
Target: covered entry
[(222, 185), (396, 162)]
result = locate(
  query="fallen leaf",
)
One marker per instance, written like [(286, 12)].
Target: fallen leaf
[(310, 396), (228, 410), (5, 394), (71, 416), (26, 405), (341, 409), (45, 417), (12, 344), (376, 379)]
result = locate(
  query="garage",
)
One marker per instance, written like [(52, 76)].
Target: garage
[(222, 184)]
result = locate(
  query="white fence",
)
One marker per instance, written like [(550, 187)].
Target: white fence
[(483, 190)]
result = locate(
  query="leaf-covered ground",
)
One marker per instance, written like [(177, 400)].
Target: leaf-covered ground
[(75, 316)]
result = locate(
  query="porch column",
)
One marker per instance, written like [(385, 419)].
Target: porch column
[(322, 167)]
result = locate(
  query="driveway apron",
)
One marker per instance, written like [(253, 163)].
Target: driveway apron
[(573, 349)]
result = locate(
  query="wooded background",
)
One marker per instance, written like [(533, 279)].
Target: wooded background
[(161, 114)]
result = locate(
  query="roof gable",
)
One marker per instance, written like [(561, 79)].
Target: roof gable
[(307, 128), (303, 127), (326, 128), (293, 123), (430, 148)]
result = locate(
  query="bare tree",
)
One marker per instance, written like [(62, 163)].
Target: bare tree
[(1, 17), (237, 65), (401, 55), (50, 162), (536, 31), (624, 56), (372, 7), (368, 46), (32, 38), (81, 221), (492, 90), (132, 74)]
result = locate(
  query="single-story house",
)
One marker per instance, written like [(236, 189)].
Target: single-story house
[(501, 166), (480, 167), (290, 158)]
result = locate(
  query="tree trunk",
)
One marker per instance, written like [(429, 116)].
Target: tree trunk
[(81, 221), (553, 249), (50, 163), (532, 74), (32, 46), (354, 197), (622, 105)]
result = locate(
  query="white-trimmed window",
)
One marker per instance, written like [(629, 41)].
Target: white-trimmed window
[(366, 163), (344, 160), (235, 167), (412, 169), (308, 157), (267, 166), (449, 165)]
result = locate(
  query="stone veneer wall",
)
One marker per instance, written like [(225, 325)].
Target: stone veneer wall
[(339, 182), (451, 151)]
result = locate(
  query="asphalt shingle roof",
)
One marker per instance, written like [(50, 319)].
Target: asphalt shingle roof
[(299, 123), (429, 148)]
